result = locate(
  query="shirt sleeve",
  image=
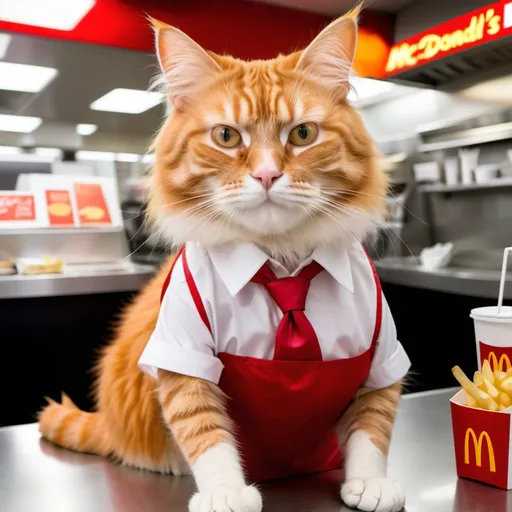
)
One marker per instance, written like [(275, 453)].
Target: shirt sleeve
[(181, 342), (390, 362)]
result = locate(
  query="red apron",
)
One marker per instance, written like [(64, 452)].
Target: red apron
[(286, 411)]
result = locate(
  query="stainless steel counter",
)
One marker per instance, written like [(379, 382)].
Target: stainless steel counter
[(456, 280), (76, 282), (38, 477), (400, 271)]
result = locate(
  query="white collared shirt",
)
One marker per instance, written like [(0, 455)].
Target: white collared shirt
[(341, 306)]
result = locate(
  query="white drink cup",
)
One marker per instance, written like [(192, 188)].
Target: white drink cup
[(493, 329), (493, 334)]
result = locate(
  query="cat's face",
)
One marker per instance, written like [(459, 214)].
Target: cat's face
[(263, 150)]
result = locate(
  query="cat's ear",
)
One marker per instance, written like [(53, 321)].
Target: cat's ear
[(185, 64), (330, 56)]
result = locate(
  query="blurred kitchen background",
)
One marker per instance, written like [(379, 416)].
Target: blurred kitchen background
[(74, 103)]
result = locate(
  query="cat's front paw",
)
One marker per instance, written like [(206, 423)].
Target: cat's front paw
[(373, 495), (227, 499)]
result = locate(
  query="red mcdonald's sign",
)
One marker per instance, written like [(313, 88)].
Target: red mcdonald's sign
[(472, 29)]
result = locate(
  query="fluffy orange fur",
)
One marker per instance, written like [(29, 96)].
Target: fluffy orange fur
[(339, 189)]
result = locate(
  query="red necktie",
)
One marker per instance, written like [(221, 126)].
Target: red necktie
[(296, 339)]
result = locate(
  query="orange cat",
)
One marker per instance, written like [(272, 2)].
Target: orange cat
[(272, 324)]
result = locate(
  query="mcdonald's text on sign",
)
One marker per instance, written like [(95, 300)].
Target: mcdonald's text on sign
[(478, 446), (478, 27)]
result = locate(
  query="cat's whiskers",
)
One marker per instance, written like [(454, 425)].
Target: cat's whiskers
[(193, 198), (208, 219), (355, 193), (226, 220), (326, 212), (150, 237), (353, 211)]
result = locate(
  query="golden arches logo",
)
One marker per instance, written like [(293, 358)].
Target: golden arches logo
[(478, 444), (502, 366)]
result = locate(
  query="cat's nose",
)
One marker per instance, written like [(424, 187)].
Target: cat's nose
[(266, 177)]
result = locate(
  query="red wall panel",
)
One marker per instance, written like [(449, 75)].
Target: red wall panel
[(245, 29)]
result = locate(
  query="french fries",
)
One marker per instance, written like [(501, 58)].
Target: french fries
[(500, 376), (505, 399), (487, 372), (489, 390)]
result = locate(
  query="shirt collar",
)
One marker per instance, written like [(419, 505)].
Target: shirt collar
[(336, 261), (238, 263)]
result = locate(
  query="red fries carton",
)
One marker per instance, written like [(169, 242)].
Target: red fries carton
[(482, 443), (483, 447)]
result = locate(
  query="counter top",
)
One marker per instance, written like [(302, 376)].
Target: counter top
[(456, 280), (76, 281), (400, 271), (38, 477)]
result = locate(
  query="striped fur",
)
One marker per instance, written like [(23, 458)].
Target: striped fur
[(374, 412), (128, 425), (332, 189), (195, 412)]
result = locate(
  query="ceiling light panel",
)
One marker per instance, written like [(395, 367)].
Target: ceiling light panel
[(19, 124), (56, 14), (100, 156), (86, 129), (104, 156), (127, 101), (128, 157), (5, 40), (25, 78), (50, 153)]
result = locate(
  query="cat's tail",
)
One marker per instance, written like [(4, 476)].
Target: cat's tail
[(67, 426)]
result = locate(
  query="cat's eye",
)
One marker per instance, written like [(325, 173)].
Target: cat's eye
[(226, 137), (303, 134)]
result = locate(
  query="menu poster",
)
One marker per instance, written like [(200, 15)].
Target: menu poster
[(59, 208), (17, 208), (91, 203)]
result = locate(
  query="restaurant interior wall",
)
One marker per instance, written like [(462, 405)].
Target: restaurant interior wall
[(390, 119), (423, 14), (405, 115)]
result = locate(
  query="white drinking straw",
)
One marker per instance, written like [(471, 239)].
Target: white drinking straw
[(503, 277)]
